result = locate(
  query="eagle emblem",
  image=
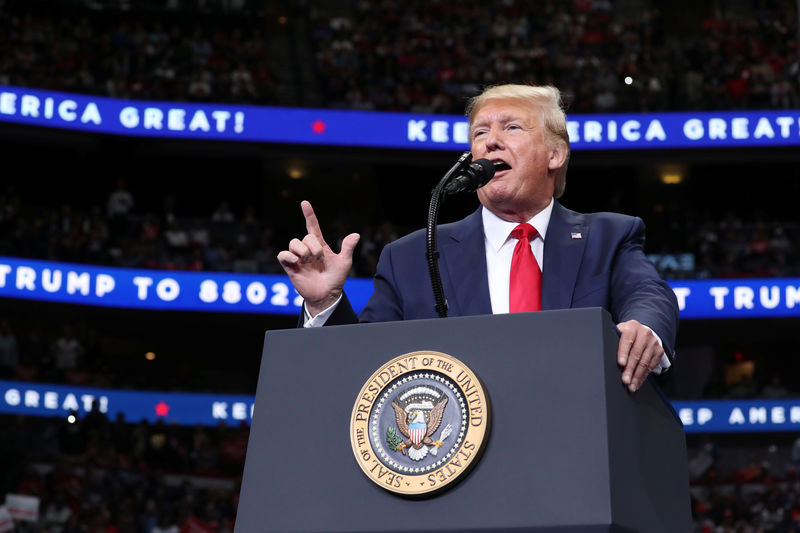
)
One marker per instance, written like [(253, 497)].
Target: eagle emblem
[(433, 432), (418, 413)]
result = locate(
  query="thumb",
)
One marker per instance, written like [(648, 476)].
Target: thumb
[(349, 244)]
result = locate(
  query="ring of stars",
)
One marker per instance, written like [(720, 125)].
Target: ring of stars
[(376, 433)]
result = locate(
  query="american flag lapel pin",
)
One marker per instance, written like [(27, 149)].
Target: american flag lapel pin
[(576, 235)]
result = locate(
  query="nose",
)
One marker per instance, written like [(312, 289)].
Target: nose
[(494, 139)]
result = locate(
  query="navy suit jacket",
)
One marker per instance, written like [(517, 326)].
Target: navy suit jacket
[(590, 260)]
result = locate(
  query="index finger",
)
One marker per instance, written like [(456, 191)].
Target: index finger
[(312, 224)]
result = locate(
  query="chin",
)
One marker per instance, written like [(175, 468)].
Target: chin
[(493, 194)]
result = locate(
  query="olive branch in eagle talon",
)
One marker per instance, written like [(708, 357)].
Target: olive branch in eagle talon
[(417, 416), (392, 439)]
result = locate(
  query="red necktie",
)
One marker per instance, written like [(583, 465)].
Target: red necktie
[(525, 292)]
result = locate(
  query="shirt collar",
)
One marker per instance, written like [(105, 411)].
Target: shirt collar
[(497, 231)]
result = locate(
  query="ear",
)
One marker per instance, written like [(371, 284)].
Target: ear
[(558, 155)]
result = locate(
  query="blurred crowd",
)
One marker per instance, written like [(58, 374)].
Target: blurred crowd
[(83, 352), (735, 247), (408, 56), (147, 54), (31, 351), (120, 234), (95, 475), (91, 474), (745, 489), (429, 56), (760, 506)]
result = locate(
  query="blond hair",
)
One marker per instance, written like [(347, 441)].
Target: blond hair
[(548, 100)]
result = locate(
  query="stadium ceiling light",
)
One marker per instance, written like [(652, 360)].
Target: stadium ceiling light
[(672, 174), (296, 171)]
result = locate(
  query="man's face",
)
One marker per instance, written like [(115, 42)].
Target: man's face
[(511, 131)]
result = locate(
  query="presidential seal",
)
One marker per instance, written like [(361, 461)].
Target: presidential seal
[(419, 423)]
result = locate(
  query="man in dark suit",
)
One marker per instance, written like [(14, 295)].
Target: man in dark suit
[(587, 259)]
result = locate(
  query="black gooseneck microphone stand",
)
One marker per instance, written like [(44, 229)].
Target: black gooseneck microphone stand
[(431, 252)]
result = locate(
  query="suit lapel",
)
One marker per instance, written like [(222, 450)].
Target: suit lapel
[(463, 256), (563, 250)]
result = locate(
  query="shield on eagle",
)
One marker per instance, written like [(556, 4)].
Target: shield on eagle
[(417, 428)]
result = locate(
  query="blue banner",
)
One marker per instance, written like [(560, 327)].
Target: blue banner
[(381, 129), (739, 416), (738, 298), (79, 284), (157, 289), (37, 399)]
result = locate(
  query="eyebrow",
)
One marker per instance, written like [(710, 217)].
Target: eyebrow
[(503, 118)]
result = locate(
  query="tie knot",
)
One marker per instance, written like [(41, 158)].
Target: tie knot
[(524, 231)]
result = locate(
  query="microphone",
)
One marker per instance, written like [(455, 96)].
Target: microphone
[(475, 176), (468, 177)]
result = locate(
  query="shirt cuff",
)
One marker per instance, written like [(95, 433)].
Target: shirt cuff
[(665, 363), (323, 316)]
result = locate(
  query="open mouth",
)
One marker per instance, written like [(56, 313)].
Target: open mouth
[(500, 166)]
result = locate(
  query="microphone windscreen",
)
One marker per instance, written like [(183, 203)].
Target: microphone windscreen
[(484, 171)]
